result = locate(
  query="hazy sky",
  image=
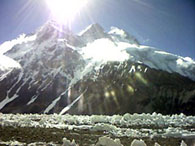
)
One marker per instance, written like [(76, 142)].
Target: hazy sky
[(165, 24)]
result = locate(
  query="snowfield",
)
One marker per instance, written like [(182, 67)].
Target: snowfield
[(149, 127)]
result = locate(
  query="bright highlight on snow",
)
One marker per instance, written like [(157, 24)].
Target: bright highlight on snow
[(7, 63), (64, 11), (105, 50)]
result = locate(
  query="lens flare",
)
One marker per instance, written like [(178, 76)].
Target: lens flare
[(64, 11)]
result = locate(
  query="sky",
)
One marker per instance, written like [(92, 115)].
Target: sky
[(165, 24)]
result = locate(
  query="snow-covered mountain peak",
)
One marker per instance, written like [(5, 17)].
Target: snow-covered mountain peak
[(93, 28), (52, 30), (117, 31), (92, 33), (95, 44), (53, 25), (121, 35)]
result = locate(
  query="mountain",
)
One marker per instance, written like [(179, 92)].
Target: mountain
[(94, 72)]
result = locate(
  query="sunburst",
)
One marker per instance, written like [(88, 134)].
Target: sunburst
[(64, 11)]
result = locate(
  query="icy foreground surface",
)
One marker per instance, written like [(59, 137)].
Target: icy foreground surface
[(103, 141), (137, 126), (116, 124)]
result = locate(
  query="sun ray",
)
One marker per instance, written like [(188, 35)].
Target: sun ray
[(64, 11)]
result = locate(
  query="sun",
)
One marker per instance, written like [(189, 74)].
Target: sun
[(64, 11)]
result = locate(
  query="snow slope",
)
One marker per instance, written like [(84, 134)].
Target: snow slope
[(7, 63), (118, 45), (158, 59), (6, 66)]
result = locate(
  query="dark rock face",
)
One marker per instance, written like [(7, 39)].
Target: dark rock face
[(116, 90), (49, 65)]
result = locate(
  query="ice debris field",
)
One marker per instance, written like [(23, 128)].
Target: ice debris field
[(137, 126)]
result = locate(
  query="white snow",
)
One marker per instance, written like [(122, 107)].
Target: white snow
[(117, 31), (119, 35), (145, 70), (12, 143), (132, 69), (32, 100), (64, 110), (7, 100), (104, 50), (7, 63), (156, 144), (67, 142), (107, 141), (6, 46), (111, 47), (136, 142), (161, 60), (85, 30), (185, 62), (54, 102), (4, 75), (183, 143), (52, 105)]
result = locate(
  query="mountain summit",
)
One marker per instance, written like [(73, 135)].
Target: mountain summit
[(57, 71)]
